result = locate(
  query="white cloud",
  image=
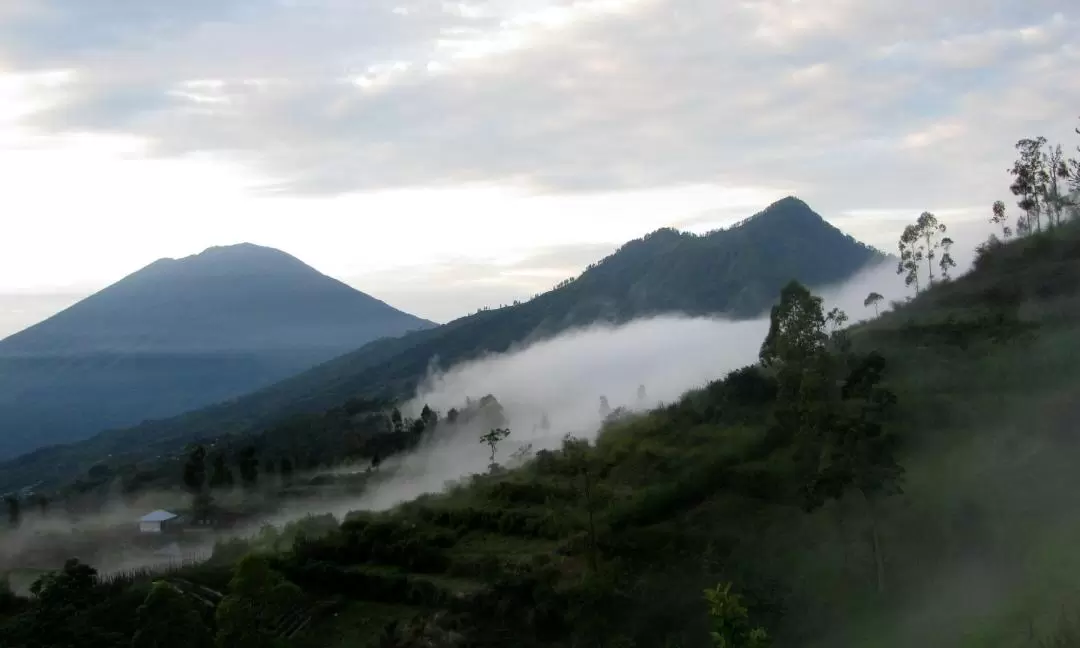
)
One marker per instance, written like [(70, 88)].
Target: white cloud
[(369, 137)]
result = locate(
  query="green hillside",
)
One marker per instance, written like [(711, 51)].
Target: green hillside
[(909, 482), (737, 271)]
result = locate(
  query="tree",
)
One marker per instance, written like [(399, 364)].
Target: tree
[(14, 510), (641, 396), (796, 328), (1000, 218), (1057, 171), (930, 229), (579, 457), (396, 422), (605, 408), (873, 299), (43, 505), (1030, 182), (249, 467), (911, 256), (729, 621), (195, 469), (452, 415), (859, 452), (258, 598), (492, 440), (946, 263), (429, 417), (220, 475), (545, 422), (167, 619)]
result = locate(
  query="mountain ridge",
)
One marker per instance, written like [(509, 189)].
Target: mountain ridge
[(736, 271)]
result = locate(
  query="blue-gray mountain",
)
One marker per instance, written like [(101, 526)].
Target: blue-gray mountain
[(177, 335), (738, 271)]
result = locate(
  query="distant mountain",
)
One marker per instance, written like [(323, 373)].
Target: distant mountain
[(177, 335), (738, 271)]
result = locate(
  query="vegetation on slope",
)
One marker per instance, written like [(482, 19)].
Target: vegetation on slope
[(737, 271), (908, 482)]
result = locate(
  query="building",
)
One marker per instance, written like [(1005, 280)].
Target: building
[(158, 522)]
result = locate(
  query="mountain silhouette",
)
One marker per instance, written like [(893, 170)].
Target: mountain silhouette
[(176, 335), (737, 272)]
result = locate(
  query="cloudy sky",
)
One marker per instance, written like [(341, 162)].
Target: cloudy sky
[(450, 155)]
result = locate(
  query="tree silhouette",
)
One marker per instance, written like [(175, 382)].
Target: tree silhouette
[(492, 440), (576, 451), (220, 475), (1000, 218), (249, 467), (930, 230), (946, 263), (873, 299), (911, 256), (195, 470), (1030, 181)]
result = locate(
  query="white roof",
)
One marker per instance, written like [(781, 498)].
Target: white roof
[(158, 516)]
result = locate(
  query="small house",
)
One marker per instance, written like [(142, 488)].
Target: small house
[(158, 522)]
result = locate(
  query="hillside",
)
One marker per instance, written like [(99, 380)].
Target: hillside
[(737, 271), (947, 518), (177, 335)]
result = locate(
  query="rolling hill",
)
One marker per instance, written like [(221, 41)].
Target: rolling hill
[(737, 271), (177, 335)]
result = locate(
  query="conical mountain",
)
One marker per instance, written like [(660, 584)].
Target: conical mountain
[(737, 272), (177, 335)]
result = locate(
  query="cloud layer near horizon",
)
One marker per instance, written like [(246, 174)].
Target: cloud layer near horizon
[(326, 96)]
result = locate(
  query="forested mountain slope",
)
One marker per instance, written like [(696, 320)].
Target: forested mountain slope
[(908, 482), (737, 271)]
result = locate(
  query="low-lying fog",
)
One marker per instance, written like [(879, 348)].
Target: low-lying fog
[(563, 379)]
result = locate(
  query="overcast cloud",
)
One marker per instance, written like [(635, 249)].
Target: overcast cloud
[(854, 105)]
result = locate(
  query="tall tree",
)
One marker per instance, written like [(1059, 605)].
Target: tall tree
[(911, 256), (1056, 196), (873, 299), (1000, 218), (577, 453), (796, 328), (641, 395), (429, 417), (860, 453), (930, 231), (1030, 181), (248, 464), (605, 407), (492, 439), (195, 469), (947, 263), (396, 421), (220, 475)]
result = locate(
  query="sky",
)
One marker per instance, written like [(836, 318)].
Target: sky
[(445, 156)]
